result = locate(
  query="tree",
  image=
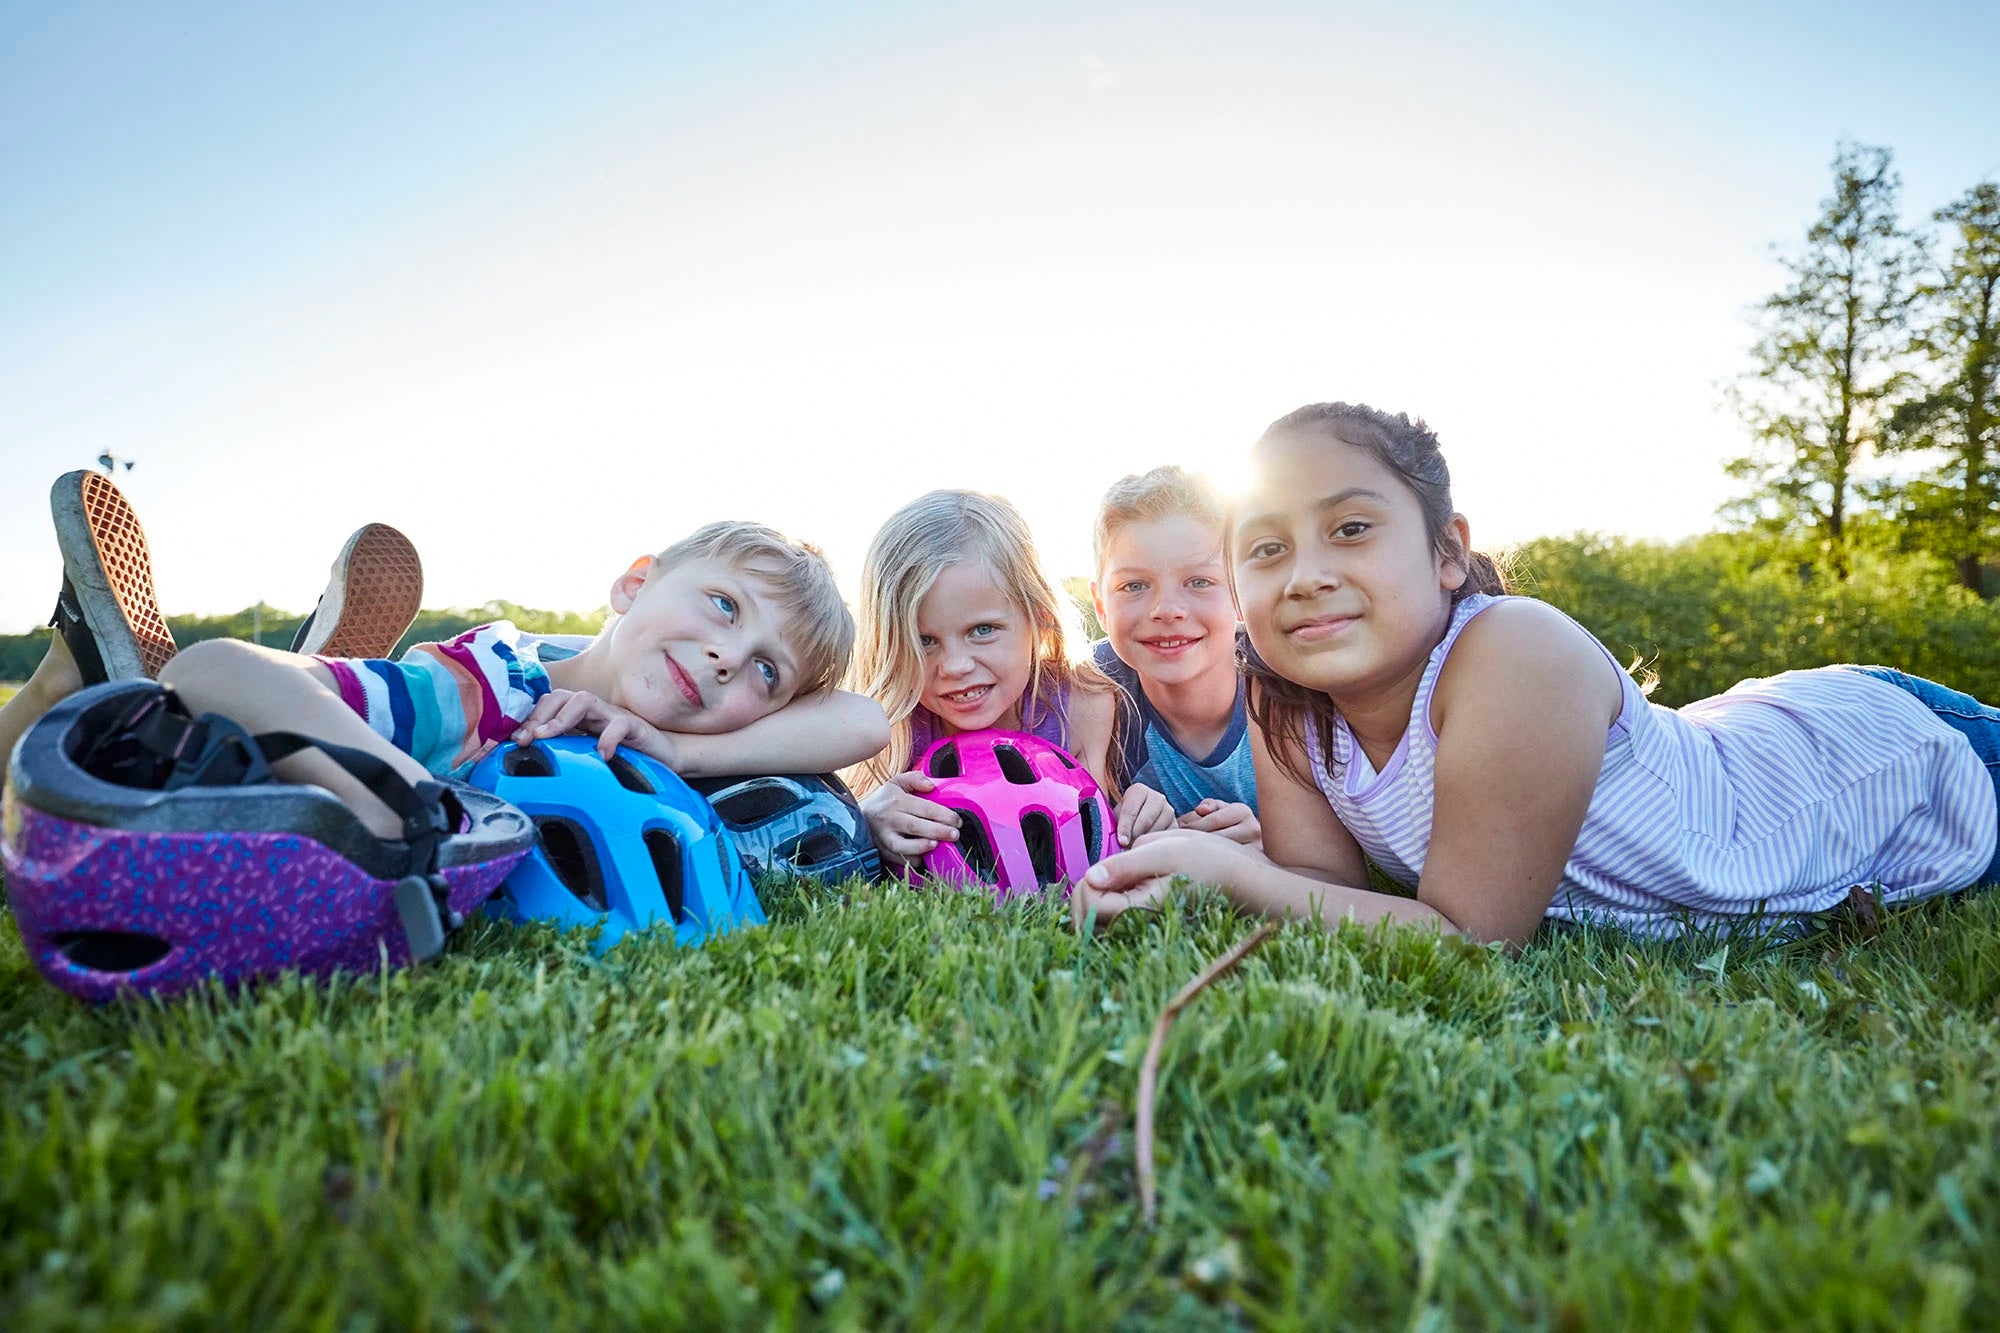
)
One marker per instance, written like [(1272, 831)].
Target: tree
[(1828, 363), (1958, 333)]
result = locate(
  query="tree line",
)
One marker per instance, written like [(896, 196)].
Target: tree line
[(1883, 345), (19, 653)]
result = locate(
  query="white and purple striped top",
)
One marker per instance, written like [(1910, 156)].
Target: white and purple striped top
[(1777, 797)]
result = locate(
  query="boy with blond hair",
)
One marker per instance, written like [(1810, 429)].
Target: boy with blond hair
[(1162, 595), (721, 656)]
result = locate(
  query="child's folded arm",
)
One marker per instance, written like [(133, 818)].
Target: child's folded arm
[(815, 734)]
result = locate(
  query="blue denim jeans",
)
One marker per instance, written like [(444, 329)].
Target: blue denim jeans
[(1972, 719)]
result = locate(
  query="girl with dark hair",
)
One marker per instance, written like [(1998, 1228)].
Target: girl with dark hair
[(1488, 751)]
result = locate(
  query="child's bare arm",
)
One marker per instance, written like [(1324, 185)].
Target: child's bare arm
[(1522, 710), (1093, 717), (813, 735), (816, 734)]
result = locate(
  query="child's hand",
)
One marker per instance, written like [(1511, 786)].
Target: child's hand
[(1143, 878), (1142, 811), (1232, 819), (560, 712), (904, 825)]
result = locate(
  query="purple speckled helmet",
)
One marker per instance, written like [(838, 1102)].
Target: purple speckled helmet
[(1030, 816), (146, 851)]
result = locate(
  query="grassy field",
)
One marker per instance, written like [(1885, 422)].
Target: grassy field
[(891, 1108)]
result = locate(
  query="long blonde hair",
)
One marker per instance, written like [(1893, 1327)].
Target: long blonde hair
[(918, 542)]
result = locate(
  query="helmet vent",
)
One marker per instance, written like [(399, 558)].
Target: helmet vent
[(665, 850), (629, 777), (1038, 831), (755, 802), (1014, 766), (822, 843), (975, 846), (527, 761), (111, 950), (944, 761), (1093, 834), (572, 858)]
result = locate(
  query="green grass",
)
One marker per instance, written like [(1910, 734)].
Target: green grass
[(892, 1108)]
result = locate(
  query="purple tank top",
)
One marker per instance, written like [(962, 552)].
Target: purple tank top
[(1047, 720)]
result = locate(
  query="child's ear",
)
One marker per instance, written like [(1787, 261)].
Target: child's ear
[(1457, 568), (625, 588), (1097, 605)]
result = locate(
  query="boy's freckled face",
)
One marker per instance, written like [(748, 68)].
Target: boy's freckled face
[(1164, 602), (978, 650), (697, 647)]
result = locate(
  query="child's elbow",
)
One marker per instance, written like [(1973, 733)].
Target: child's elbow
[(871, 731)]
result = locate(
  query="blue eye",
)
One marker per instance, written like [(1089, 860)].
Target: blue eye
[(1201, 583), (984, 631), (724, 603), (769, 670), (926, 642)]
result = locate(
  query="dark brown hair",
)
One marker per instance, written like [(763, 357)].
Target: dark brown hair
[(1283, 709)]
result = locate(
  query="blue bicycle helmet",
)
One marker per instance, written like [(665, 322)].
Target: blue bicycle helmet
[(620, 843), (795, 824)]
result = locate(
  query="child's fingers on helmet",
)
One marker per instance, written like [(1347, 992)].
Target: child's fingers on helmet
[(907, 848), (616, 731), (915, 825), (914, 781), (938, 814)]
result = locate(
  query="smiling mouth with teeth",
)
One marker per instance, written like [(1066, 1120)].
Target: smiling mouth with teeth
[(1170, 643), (973, 695)]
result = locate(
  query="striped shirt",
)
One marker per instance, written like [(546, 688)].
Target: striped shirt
[(1777, 797), (446, 704)]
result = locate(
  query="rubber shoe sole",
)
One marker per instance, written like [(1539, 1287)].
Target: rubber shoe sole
[(376, 590), (107, 563)]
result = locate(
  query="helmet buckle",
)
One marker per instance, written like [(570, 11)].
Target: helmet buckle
[(424, 907)]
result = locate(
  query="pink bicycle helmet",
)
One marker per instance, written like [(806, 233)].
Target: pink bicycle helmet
[(1030, 815)]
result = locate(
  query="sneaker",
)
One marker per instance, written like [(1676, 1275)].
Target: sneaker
[(374, 595), (107, 614)]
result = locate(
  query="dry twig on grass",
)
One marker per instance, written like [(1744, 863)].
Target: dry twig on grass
[(1149, 1068)]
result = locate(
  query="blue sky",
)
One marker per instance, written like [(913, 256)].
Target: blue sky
[(546, 286)]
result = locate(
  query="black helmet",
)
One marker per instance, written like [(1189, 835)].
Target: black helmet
[(795, 824)]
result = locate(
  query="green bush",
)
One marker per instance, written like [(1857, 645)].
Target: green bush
[(1709, 611)]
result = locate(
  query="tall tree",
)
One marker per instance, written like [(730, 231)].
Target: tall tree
[(1957, 331), (1829, 356)]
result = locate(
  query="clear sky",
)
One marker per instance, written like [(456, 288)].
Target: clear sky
[(547, 285)]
